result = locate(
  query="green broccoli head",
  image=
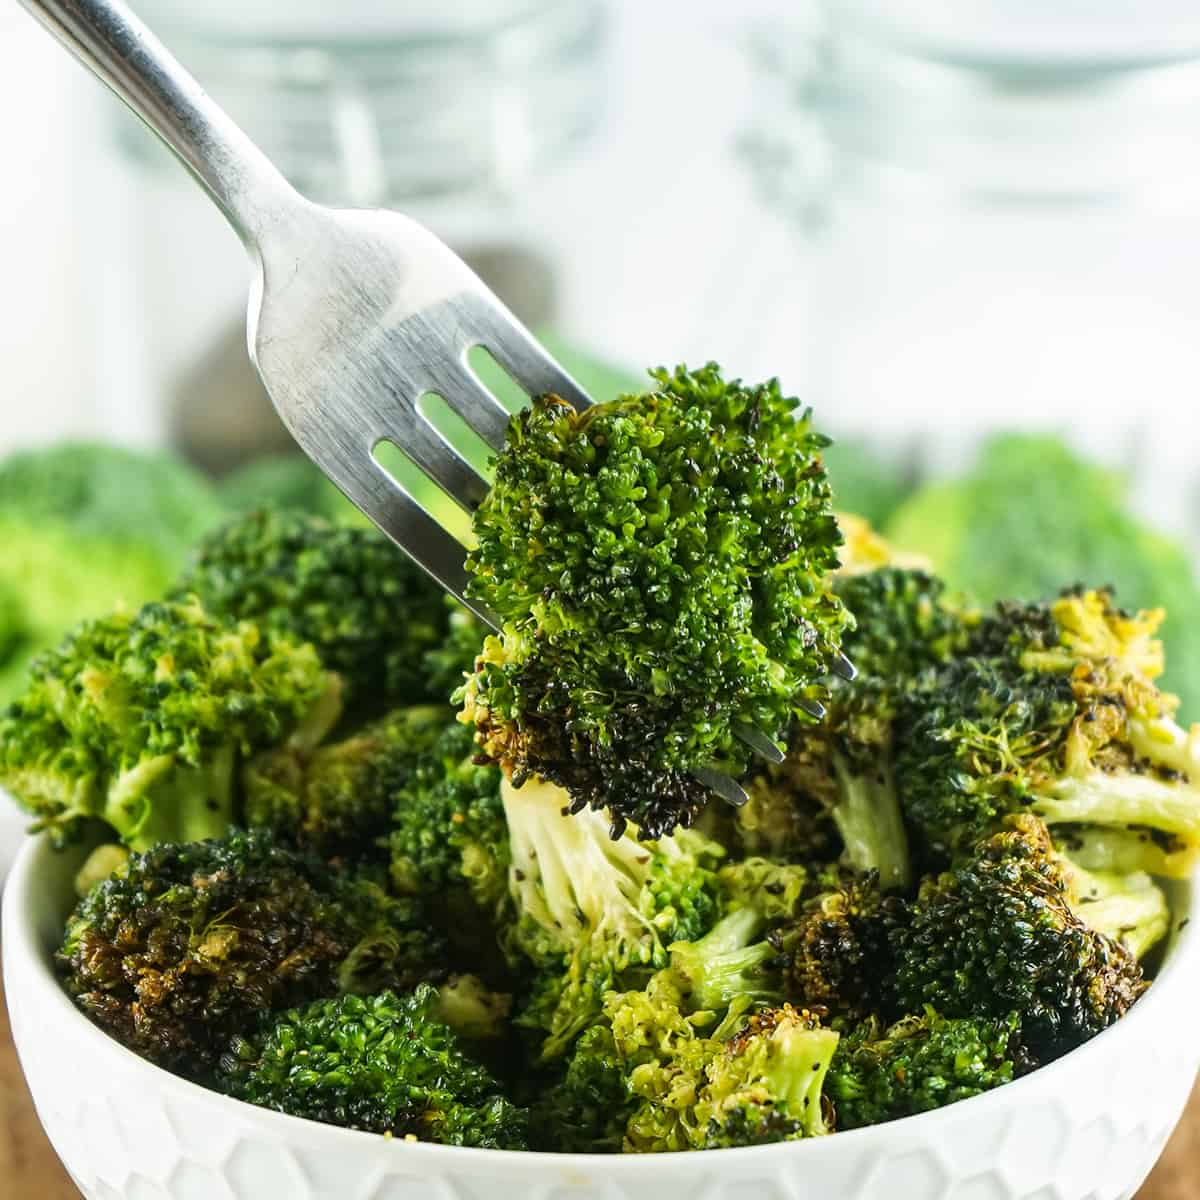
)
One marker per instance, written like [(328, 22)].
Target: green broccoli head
[(141, 720), (592, 912), (448, 829), (337, 798), (384, 1064), (86, 528), (920, 1063), (370, 612), (657, 565), (185, 945), (692, 1086), (1054, 707), (997, 935)]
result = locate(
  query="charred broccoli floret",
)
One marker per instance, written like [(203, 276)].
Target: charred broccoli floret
[(657, 564), (905, 628), (338, 798), (997, 935), (385, 1064), (143, 720), (592, 912), (186, 945), (1053, 708), (918, 1064), (371, 613)]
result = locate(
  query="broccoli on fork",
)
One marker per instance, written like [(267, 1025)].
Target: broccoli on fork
[(657, 564)]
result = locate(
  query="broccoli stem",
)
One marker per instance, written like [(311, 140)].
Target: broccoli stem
[(1130, 909), (161, 801), (1122, 799), (867, 815), (797, 1070), (1123, 851), (725, 964)]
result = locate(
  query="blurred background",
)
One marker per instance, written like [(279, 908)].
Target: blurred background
[(968, 238)]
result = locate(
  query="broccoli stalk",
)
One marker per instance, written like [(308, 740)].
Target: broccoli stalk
[(1129, 908), (729, 963), (590, 909)]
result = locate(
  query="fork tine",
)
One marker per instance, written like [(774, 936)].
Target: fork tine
[(727, 788), (520, 354), (471, 400), (418, 439), (759, 742)]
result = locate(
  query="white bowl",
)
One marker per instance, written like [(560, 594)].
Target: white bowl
[(1088, 1127)]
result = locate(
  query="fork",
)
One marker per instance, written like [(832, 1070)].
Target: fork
[(355, 316)]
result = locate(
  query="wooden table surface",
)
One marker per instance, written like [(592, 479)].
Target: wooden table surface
[(29, 1169)]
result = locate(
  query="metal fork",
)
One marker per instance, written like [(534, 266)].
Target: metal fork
[(354, 316)]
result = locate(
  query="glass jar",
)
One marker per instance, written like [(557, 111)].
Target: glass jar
[(445, 111), (1000, 231)]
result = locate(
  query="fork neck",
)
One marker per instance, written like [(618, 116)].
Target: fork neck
[(122, 52)]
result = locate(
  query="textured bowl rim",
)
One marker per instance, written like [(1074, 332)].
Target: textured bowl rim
[(29, 973)]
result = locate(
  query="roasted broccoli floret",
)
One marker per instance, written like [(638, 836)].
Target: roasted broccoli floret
[(657, 564), (338, 797), (834, 955), (187, 945), (142, 721), (385, 1064), (905, 628), (1032, 516), (591, 911), (918, 1064), (370, 612), (85, 528), (731, 964), (1053, 708), (997, 935), (448, 828)]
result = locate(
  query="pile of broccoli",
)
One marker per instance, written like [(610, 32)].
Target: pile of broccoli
[(350, 855)]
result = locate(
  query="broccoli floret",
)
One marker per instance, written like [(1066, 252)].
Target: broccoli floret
[(905, 629), (142, 721), (586, 1109), (448, 828), (774, 889), (385, 1064), (370, 612), (834, 954), (730, 964), (997, 935), (657, 564), (592, 911), (186, 945), (338, 797), (918, 1064), (1032, 516), (783, 823), (1053, 707), (86, 528), (695, 1087)]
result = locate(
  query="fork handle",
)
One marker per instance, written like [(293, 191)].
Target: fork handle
[(118, 48)]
